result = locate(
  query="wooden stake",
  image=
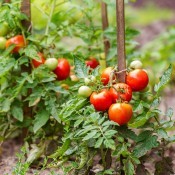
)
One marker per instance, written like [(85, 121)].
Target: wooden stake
[(121, 40), (105, 24), (25, 8)]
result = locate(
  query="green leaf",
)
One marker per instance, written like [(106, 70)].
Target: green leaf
[(81, 69), (170, 113), (109, 143), (90, 135), (41, 119), (166, 77), (128, 167), (110, 133), (146, 145), (99, 142), (17, 112)]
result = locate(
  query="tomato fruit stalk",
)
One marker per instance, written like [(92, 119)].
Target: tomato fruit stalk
[(121, 92)]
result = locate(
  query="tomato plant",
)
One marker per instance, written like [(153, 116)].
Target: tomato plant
[(51, 63), (137, 79), (92, 62), (120, 113), (63, 69), (121, 92), (18, 41), (40, 61), (101, 100), (2, 42)]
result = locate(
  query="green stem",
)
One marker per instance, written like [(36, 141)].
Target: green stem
[(103, 156), (50, 17)]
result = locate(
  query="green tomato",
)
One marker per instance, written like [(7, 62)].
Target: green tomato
[(84, 91), (51, 63), (136, 64), (90, 80), (4, 29), (2, 42)]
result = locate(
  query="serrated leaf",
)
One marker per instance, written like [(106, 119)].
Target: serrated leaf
[(143, 147), (41, 119), (166, 77), (110, 133), (81, 69), (78, 122), (17, 112), (99, 142), (170, 113), (128, 167), (109, 143), (90, 135)]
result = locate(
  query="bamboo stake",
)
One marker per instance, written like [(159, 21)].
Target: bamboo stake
[(121, 40)]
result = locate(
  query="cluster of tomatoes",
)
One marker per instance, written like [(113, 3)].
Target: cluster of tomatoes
[(114, 96), (60, 67)]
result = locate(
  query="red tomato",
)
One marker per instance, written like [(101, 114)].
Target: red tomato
[(92, 62), (105, 76), (37, 63), (63, 69), (120, 113), (137, 79), (121, 91), (102, 100), (18, 41)]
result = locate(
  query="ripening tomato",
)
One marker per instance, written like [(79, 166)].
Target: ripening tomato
[(4, 28), (121, 91), (92, 62), (51, 63), (2, 42), (105, 76), (120, 113), (18, 41), (63, 69), (137, 79), (102, 100), (37, 63), (136, 64), (84, 91)]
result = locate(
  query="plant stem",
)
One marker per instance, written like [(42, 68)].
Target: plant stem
[(50, 17), (103, 156)]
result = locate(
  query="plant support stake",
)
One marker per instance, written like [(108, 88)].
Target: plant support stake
[(105, 24), (121, 40)]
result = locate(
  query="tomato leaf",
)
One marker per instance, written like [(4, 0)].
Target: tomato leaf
[(147, 144), (165, 78), (81, 69), (17, 111), (41, 119), (128, 167)]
